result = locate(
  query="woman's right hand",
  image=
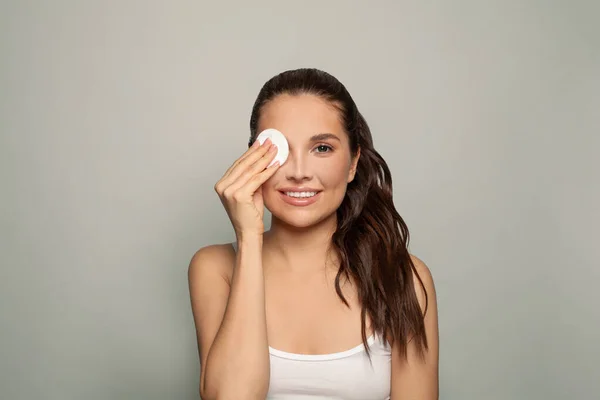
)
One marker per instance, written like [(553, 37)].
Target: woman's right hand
[(240, 188)]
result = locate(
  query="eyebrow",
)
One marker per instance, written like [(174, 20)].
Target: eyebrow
[(324, 136)]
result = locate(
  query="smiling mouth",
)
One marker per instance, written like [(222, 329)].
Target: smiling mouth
[(300, 195)]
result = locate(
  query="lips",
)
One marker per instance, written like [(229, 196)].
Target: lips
[(298, 189), (300, 196)]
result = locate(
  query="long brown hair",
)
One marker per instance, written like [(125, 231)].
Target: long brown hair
[(371, 236)]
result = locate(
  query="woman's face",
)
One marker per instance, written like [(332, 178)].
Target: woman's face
[(319, 160)]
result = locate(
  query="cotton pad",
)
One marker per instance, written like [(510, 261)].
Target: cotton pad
[(278, 140)]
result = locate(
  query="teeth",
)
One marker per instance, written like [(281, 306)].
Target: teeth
[(301, 194)]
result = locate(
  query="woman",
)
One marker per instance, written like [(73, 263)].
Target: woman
[(327, 304)]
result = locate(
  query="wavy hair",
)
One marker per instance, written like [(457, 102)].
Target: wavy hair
[(371, 237)]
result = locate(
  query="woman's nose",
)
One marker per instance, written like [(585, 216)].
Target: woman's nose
[(297, 167)]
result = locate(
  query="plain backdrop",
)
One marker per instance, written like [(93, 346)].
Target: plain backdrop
[(117, 118)]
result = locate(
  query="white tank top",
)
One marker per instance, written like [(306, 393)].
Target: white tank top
[(348, 375)]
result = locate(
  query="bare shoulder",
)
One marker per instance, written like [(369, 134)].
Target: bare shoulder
[(212, 261), (209, 277), (416, 376), (424, 273)]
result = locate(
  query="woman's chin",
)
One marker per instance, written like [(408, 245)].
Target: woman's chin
[(299, 219), (297, 222)]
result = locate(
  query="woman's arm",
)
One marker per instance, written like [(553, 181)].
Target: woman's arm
[(416, 378), (230, 320)]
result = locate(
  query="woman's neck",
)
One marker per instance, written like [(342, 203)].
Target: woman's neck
[(302, 249)]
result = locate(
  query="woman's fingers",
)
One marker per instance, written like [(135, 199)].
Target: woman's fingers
[(256, 168), (251, 150), (257, 180), (249, 159), (244, 162)]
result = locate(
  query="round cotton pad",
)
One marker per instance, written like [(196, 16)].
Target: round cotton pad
[(278, 140)]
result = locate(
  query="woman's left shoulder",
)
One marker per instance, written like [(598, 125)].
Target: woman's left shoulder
[(422, 268), (424, 273)]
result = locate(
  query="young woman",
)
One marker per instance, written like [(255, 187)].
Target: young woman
[(327, 304)]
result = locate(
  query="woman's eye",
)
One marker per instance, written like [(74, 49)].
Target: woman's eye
[(323, 148)]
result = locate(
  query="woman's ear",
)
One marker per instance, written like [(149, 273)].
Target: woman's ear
[(353, 166)]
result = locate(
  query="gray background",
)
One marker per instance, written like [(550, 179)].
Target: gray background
[(118, 117)]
